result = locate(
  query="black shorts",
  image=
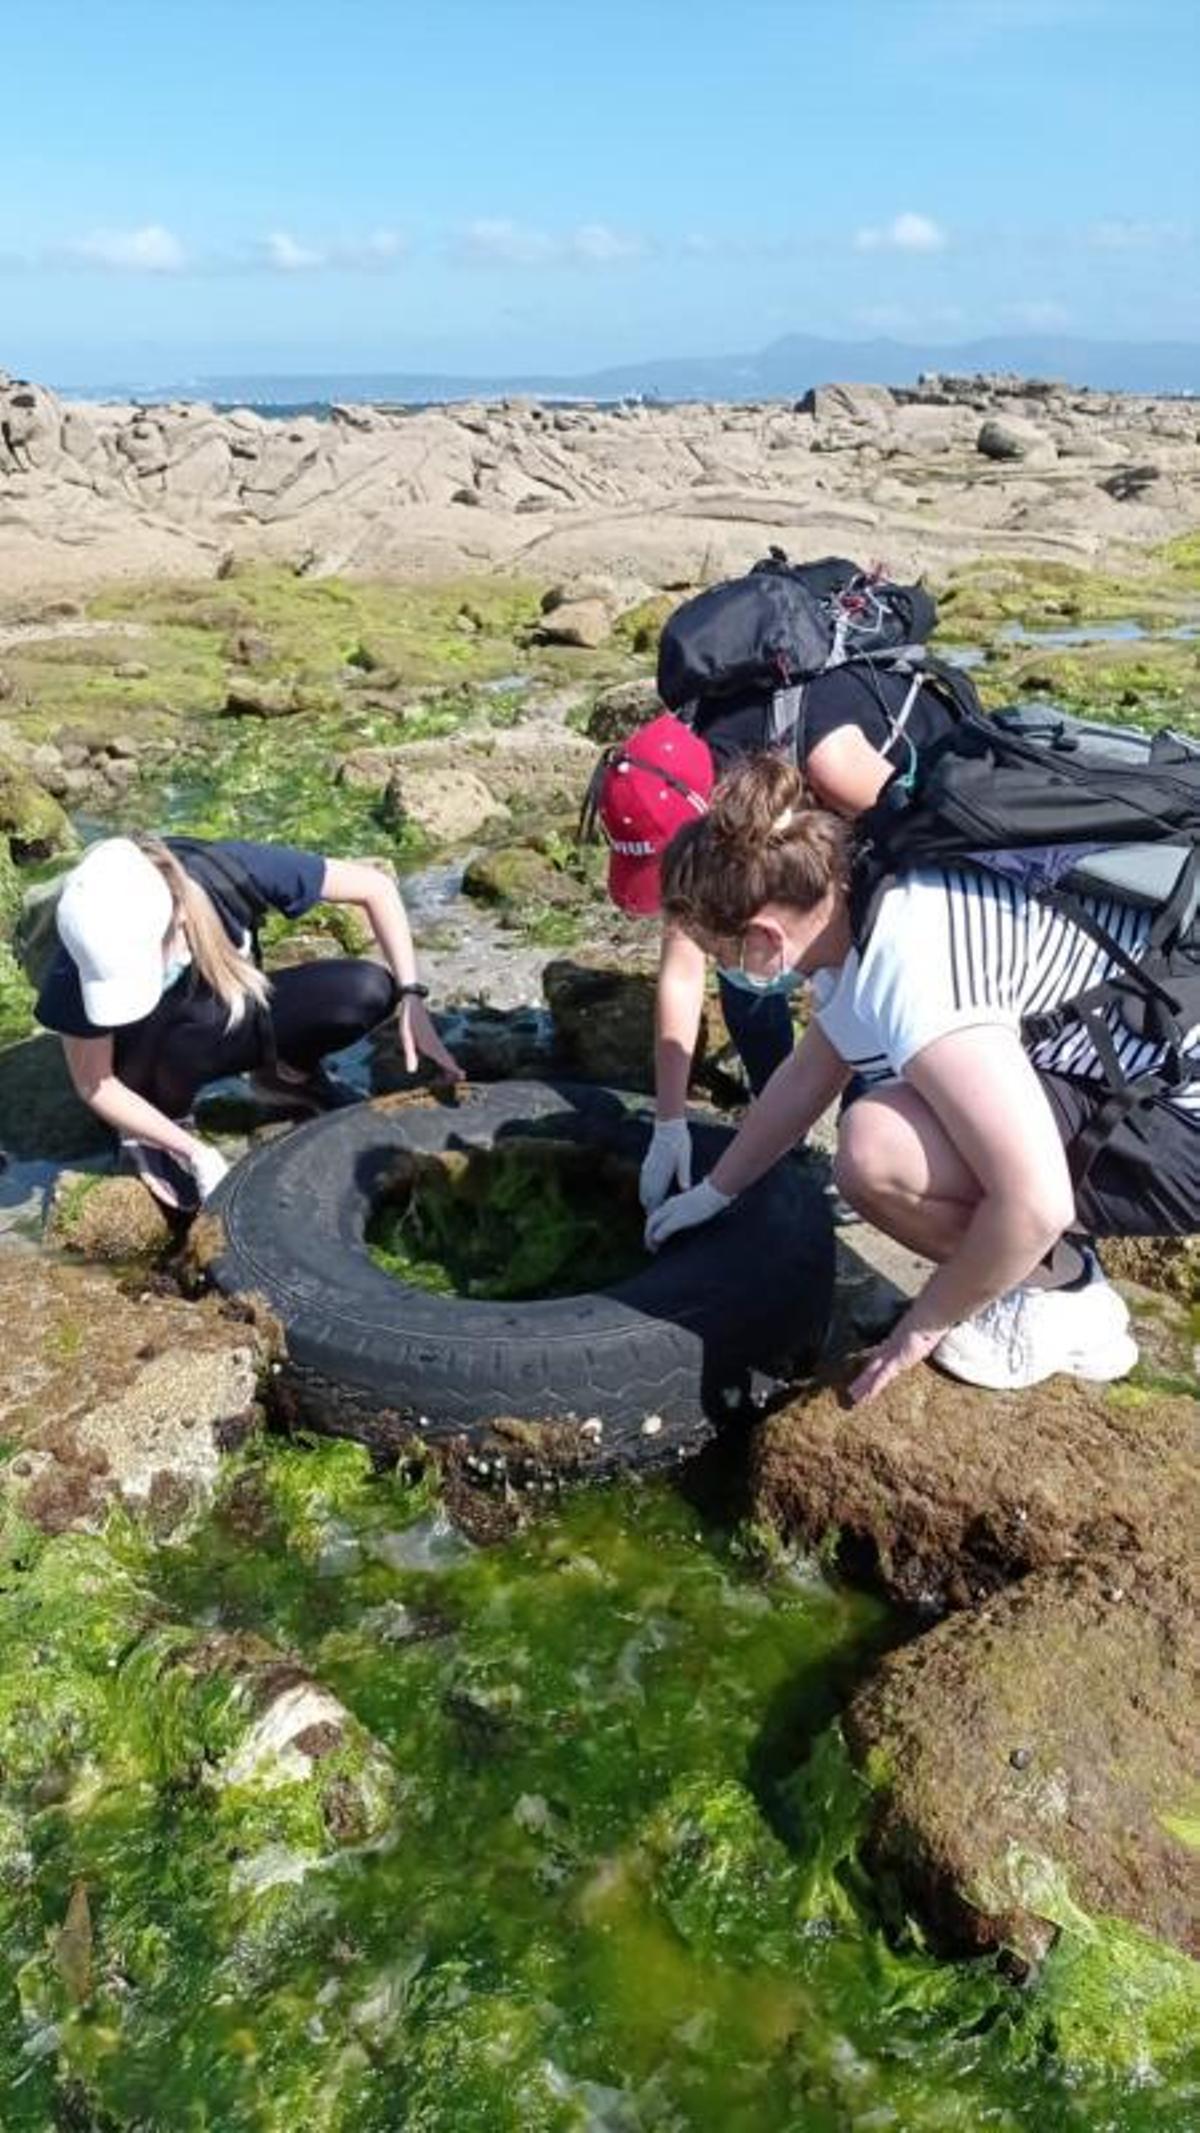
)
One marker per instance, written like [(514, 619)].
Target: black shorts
[(1145, 1182)]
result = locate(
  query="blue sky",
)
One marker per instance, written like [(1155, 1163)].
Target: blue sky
[(483, 184)]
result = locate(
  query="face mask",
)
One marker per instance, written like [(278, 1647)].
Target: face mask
[(174, 970), (744, 981)]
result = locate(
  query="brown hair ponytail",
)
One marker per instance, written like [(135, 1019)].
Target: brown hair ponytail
[(231, 976), (761, 842)]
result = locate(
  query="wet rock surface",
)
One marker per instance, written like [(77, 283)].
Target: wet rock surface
[(942, 1493), (1037, 1759), (108, 1394)]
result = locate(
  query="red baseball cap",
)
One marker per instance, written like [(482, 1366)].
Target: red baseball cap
[(651, 784)]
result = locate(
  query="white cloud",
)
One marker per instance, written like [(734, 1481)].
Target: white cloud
[(285, 253), (493, 241), (380, 249), (602, 246), (150, 250), (907, 232)]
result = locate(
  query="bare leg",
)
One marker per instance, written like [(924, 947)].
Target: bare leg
[(898, 1167)]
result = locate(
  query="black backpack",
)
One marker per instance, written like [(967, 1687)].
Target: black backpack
[(1071, 810), (775, 629)]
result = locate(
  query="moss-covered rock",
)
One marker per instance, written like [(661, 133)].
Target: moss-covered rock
[(34, 823), (518, 877), (603, 1016), (1169, 1264), (106, 1219), (942, 1492), (1034, 1763)]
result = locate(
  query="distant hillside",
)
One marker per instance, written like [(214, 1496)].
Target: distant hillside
[(781, 371)]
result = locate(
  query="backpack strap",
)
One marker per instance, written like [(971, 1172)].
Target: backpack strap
[(1127, 1095)]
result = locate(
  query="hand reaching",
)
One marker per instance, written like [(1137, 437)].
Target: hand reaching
[(684, 1211), (668, 1162), (419, 1036)]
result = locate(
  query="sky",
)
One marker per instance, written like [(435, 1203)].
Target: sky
[(479, 185)]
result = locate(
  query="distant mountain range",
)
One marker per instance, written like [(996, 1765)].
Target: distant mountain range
[(783, 370)]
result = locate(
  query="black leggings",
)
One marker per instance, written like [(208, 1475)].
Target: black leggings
[(315, 1008)]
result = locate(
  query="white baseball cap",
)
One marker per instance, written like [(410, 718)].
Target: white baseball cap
[(113, 917)]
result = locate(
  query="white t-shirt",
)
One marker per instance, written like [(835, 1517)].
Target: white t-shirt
[(955, 947)]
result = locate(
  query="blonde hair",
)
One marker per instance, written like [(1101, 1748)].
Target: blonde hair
[(233, 978), (762, 842)]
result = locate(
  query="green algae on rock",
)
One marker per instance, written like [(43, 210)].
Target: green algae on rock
[(554, 1873), (1024, 1786)]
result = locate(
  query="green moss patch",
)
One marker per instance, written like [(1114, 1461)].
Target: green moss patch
[(524, 1219)]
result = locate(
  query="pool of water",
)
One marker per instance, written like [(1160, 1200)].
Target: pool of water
[(617, 1892)]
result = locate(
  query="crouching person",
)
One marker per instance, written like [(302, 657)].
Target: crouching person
[(156, 989), (968, 1140)]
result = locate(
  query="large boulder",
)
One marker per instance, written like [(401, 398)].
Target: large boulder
[(1034, 1763), (603, 1016), (1011, 437), (870, 405), (518, 878), (585, 623), (446, 810), (941, 1492)]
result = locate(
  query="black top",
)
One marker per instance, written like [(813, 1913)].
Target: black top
[(860, 694), (280, 878)]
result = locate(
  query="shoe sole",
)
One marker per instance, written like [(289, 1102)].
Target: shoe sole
[(1094, 1366)]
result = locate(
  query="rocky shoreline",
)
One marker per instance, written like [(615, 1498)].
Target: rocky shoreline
[(92, 494), (1023, 1763)]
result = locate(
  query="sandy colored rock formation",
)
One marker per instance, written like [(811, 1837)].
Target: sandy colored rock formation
[(111, 1394), (648, 496)]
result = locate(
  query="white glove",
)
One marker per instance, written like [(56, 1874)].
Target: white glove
[(208, 1167), (668, 1161), (685, 1211)]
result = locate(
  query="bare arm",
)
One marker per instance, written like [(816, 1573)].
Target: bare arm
[(678, 1005), (846, 773), (90, 1066), (984, 1093), (800, 1089), (355, 881)]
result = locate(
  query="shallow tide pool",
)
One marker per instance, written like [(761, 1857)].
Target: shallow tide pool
[(613, 1885)]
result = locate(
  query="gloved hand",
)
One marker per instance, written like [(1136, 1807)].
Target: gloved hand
[(684, 1211), (667, 1162), (208, 1167)]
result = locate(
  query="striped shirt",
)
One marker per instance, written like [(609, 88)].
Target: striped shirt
[(954, 948)]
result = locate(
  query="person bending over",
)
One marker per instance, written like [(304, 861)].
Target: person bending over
[(960, 1147), (155, 990), (849, 743)]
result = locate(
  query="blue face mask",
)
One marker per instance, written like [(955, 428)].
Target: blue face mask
[(174, 970), (744, 981)]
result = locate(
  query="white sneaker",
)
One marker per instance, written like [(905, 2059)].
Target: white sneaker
[(1030, 1333)]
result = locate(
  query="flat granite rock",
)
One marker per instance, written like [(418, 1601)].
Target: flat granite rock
[(1034, 1763), (940, 1493), (108, 1394)]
